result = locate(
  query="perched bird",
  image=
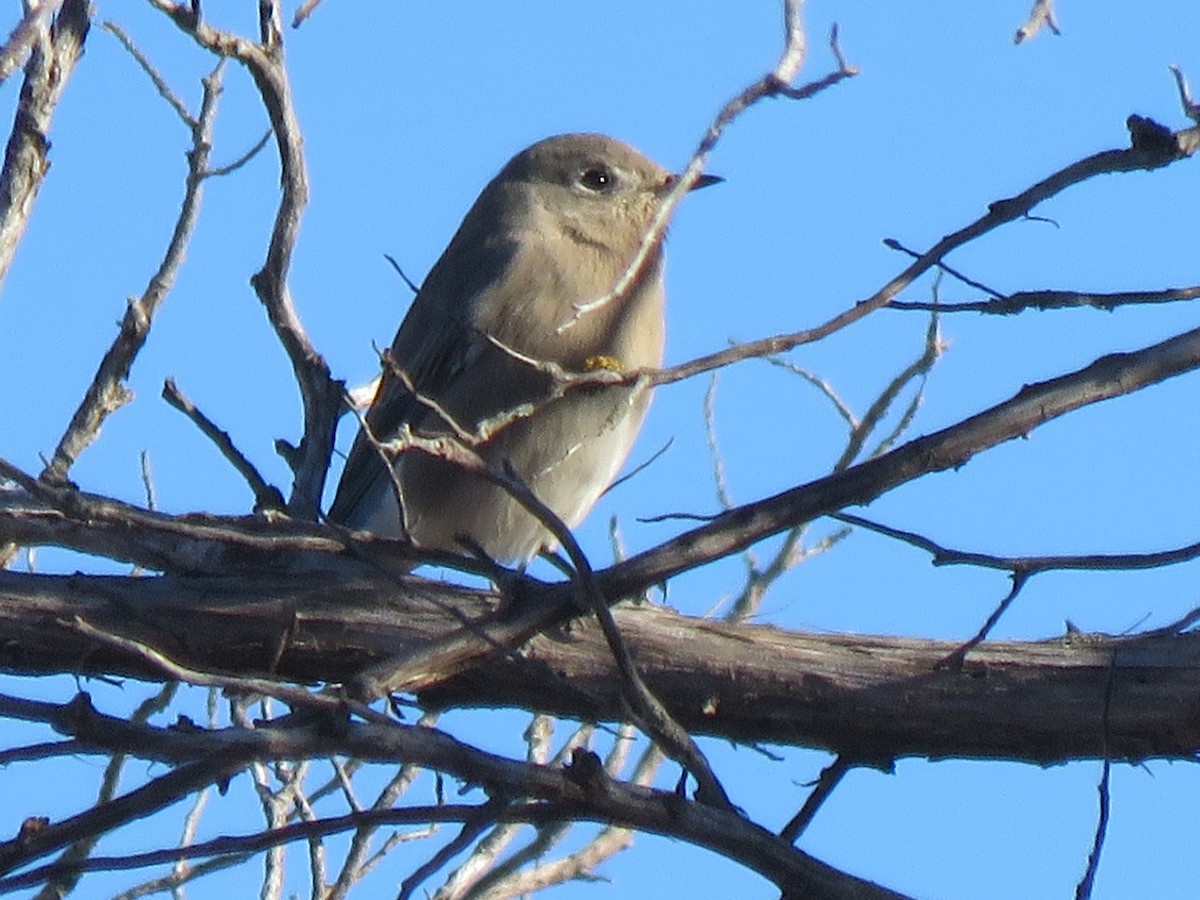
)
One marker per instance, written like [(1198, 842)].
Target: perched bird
[(555, 229)]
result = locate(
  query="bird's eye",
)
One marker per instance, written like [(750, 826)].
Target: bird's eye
[(597, 178)]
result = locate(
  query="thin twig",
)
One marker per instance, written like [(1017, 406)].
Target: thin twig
[(148, 481), (1035, 404), (1146, 153), (294, 696), (931, 351), (649, 713), (191, 821), (57, 888), (303, 11), (954, 273), (831, 776), (471, 829), (1046, 300), (775, 83), (160, 83), (1191, 109), (725, 832), (266, 496), (356, 862), (821, 384), (955, 660), (1083, 890), (640, 467), (515, 876), (136, 804), (238, 162), (108, 392), (947, 556), (320, 394), (412, 286)]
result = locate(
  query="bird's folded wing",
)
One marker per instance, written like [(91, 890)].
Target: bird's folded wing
[(430, 349)]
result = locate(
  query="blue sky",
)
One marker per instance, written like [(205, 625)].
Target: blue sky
[(408, 109)]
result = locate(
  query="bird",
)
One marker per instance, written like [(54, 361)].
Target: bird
[(503, 308)]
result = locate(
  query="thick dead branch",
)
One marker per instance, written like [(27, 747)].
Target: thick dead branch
[(868, 698)]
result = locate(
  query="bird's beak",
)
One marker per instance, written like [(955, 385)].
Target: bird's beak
[(702, 181)]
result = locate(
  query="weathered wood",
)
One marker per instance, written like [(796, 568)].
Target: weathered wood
[(871, 698)]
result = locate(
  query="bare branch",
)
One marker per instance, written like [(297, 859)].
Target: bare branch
[(472, 828), (775, 83), (1035, 404), (26, 157), (1191, 109), (160, 83), (1046, 300), (1042, 15), (356, 862), (745, 683), (32, 25), (148, 481), (955, 660), (795, 872), (331, 607), (579, 792), (303, 11), (1107, 377), (931, 351), (1152, 148), (831, 776), (107, 392), (228, 168), (478, 862), (820, 384), (515, 876), (44, 514), (412, 285), (138, 803), (1083, 890), (295, 696), (649, 713), (266, 496), (57, 888), (1028, 565), (954, 273), (320, 394)]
